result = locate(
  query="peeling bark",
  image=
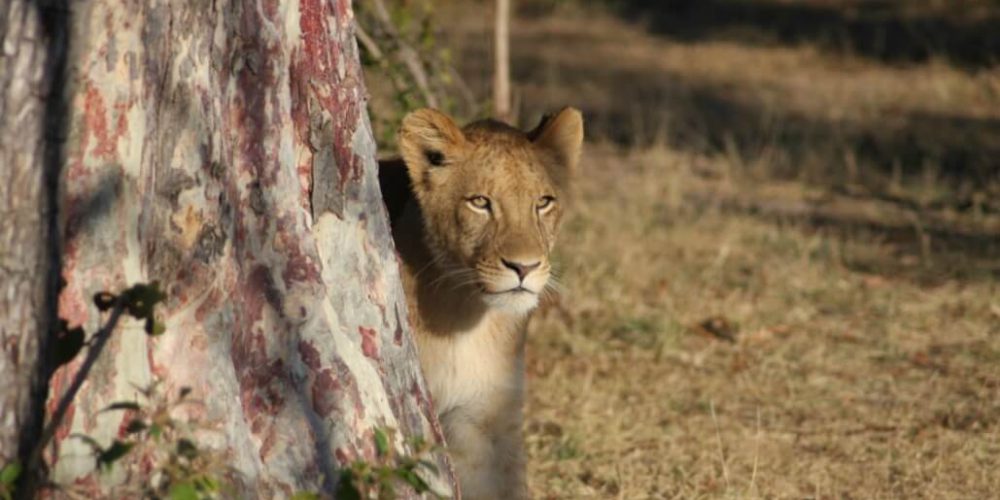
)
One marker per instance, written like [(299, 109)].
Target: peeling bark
[(223, 149)]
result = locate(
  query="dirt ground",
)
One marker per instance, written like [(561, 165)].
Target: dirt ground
[(781, 278)]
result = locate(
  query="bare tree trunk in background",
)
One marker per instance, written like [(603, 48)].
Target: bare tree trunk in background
[(30, 67), (223, 149), (501, 69)]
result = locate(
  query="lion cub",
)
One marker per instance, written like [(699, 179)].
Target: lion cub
[(474, 213)]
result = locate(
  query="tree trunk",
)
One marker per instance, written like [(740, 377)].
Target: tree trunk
[(223, 149), (501, 61), (29, 246)]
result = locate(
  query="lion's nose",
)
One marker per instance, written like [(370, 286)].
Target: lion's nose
[(521, 268)]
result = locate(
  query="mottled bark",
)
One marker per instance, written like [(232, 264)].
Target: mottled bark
[(223, 149), (31, 56)]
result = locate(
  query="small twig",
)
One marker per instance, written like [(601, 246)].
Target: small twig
[(756, 456), (922, 237), (376, 52), (864, 429), (406, 54), (368, 42), (722, 450), (463, 88), (99, 340)]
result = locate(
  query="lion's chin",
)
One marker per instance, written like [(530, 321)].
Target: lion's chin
[(518, 301)]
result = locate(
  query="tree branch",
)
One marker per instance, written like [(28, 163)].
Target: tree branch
[(406, 54), (100, 340)]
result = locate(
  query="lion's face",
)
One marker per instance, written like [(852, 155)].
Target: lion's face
[(492, 198)]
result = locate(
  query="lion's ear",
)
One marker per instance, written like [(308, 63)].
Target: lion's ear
[(428, 139), (560, 136)]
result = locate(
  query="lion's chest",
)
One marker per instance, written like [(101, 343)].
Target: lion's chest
[(470, 371)]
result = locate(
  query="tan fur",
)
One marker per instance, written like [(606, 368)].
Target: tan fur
[(469, 325)]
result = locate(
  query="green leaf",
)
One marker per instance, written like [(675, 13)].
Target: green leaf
[(154, 328), (115, 452), (413, 479), (186, 448), (122, 405), (104, 300), (68, 345), (136, 426), (305, 495), (418, 442), (381, 442), (431, 466), (346, 489), (386, 490), (183, 491), (10, 473), (155, 430), (141, 298), (206, 484)]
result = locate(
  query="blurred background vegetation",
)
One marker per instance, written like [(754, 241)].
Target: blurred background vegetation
[(782, 271)]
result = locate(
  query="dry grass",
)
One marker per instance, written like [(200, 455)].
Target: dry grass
[(850, 375), (925, 131), (783, 271)]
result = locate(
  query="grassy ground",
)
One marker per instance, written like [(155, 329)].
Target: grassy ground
[(783, 271), (701, 352)]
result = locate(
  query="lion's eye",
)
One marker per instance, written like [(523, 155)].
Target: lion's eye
[(435, 158), (545, 202), (480, 203)]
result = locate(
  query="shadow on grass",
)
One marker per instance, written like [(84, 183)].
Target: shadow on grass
[(942, 161), (928, 255), (962, 152), (877, 29)]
